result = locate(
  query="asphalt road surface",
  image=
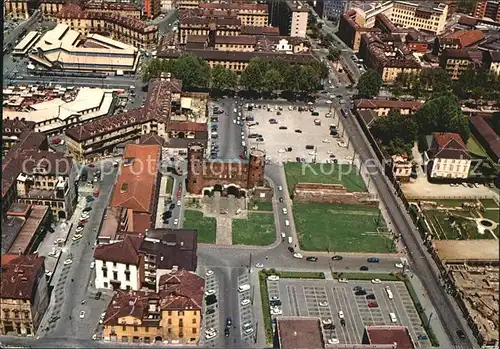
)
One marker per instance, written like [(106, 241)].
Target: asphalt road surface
[(229, 133)]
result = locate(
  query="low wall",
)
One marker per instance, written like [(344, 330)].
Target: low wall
[(331, 194)]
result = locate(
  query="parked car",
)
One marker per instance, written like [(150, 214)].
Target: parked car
[(312, 259), (370, 296), (363, 268), (337, 258), (372, 305)]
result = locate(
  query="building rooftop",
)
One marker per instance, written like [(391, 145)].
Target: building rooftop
[(389, 50), (124, 252), (136, 185), (450, 251), (178, 247), (466, 37), (181, 289), (298, 332), (471, 55), (387, 103), (141, 305), (487, 133), (297, 6), (240, 7), (31, 219), (398, 335), (449, 146), (253, 30), (20, 275), (157, 107), (236, 39)]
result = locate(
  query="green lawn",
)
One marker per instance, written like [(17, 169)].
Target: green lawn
[(368, 276), (475, 148), (258, 229), (489, 203), (340, 228), (442, 222), (261, 206), (169, 186), (206, 226), (346, 175)]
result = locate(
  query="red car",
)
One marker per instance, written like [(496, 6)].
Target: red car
[(56, 140), (243, 156), (83, 221), (91, 165), (372, 305)]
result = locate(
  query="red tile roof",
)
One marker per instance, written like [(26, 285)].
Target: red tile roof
[(443, 139), (449, 146), (181, 289), (20, 276), (390, 335), (467, 37), (137, 304), (187, 127), (135, 188), (124, 252)]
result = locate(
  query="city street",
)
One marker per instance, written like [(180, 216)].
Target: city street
[(229, 133)]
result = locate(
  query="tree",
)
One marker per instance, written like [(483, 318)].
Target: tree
[(369, 84), (320, 68), (397, 89), (273, 80), (442, 113), (192, 70), (334, 54), (396, 132), (252, 77), (223, 78), (308, 79), (328, 39)]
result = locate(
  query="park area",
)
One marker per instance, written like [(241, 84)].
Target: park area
[(346, 175), (259, 229), (341, 228), (460, 219), (206, 226)]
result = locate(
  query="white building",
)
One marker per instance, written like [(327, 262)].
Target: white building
[(450, 156), (117, 265)]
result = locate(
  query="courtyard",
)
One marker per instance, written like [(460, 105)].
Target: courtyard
[(341, 228)]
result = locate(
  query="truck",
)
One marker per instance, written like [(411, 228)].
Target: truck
[(119, 73)]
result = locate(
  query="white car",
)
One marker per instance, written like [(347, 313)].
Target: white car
[(285, 211), (323, 304), (281, 151), (79, 229), (298, 255), (68, 261), (178, 202), (92, 265), (210, 335), (312, 153), (176, 221), (82, 314), (333, 341), (327, 321), (234, 121), (209, 292), (48, 273), (326, 140), (209, 272), (399, 265), (249, 331), (341, 314), (280, 188), (376, 281), (235, 110), (273, 277), (76, 237), (287, 222), (245, 301), (276, 311), (259, 265), (343, 280)]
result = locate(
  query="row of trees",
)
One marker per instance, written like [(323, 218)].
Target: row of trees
[(260, 75), (441, 113)]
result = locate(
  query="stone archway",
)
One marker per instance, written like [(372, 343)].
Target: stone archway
[(217, 187), (233, 190), (181, 135), (61, 215), (158, 339)]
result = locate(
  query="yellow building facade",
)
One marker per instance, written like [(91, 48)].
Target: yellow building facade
[(17, 10)]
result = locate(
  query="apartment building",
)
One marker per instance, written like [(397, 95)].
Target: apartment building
[(99, 137), (388, 55), (120, 23), (487, 8), (492, 60), (351, 27), (401, 167), (252, 43), (33, 175), (172, 315), (119, 265), (50, 8), (331, 10), (458, 40), (415, 40), (450, 156), (291, 17), (19, 10), (249, 14), (12, 130), (456, 61), (25, 294), (152, 8)]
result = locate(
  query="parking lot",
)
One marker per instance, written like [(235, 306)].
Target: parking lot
[(325, 299), (246, 315), (286, 133), (211, 317)]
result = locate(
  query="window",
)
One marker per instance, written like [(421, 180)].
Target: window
[(181, 313), (115, 275), (126, 266), (181, 322), (135, 329), (127, 276), (169, 321), (114, 264), (124, 328), (194, 330), (146, 330), (194, 321), (105, 285), (104, 272), (169, 330), (169, 313)]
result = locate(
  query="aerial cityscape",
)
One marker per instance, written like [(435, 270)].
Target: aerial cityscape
[(251, 174)]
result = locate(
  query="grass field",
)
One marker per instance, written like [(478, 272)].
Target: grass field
[(258, 229), (474, 147), (206, 226), (261, 205), (346, 175), (442, 223), (489, 203), (170, 183), (342, 228)]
